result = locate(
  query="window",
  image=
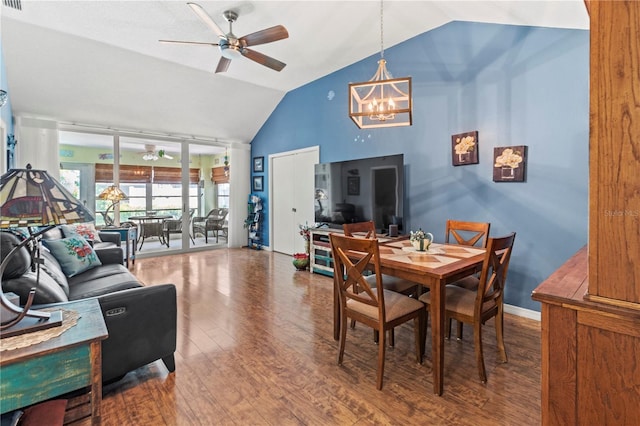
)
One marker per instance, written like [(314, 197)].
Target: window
[(222, 192)]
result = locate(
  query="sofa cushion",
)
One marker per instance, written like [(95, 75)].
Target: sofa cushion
[(52, 268), (74, 254), (47, 289), (21, 260), (87, 230), (100, 281)]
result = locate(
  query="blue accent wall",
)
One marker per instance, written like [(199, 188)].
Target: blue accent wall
[(515, 85)]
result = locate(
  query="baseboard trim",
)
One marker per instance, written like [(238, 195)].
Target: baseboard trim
[(522, 312)]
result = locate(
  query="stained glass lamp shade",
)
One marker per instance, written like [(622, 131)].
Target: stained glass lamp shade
[(115, 195), (31, 198)]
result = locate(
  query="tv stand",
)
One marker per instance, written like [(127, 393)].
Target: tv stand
[(321, 258)]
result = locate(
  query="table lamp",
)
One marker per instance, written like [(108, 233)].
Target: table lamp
[(115, 195), (33, 199)]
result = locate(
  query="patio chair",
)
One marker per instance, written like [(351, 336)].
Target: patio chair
[(214, 222), (174, 226)]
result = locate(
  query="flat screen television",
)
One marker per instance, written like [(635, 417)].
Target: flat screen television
[(360, 190)]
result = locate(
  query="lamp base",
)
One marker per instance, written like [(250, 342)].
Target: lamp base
[(31, 324)]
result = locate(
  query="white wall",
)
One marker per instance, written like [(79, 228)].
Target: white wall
[(239, 190), (37, 145)]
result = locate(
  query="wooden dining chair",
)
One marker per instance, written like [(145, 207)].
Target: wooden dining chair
[(376, 307), (466, 234), (477, 306), (368, 230)]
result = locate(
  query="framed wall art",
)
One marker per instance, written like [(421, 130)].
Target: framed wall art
[(258, 183), (353, 185), (509, 163), (258, 164), (464, 148)]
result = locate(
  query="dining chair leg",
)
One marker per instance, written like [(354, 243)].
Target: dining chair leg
[(500, 335), (460, 324), (447, 328), (381, 349), (343, 336), (417, 335), (392, 337), (425, 329), (479, 356)]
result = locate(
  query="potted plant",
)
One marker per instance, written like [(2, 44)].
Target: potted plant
[(301, 260)]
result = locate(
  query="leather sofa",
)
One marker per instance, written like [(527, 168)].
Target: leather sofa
[(141, 320)]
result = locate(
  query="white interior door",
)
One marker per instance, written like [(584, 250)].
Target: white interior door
[(292, 198), (282, 204)]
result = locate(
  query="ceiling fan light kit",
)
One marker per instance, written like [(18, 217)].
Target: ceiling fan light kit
[(232, 47), (383, 101), (151, 154)]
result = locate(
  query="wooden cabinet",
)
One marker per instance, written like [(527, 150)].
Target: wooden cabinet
[(589, 353), (591, 305), (59, 365)]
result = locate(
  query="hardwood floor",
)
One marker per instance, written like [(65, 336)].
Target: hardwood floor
[(255, 347)]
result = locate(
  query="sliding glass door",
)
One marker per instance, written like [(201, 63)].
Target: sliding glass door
[(166, 183)]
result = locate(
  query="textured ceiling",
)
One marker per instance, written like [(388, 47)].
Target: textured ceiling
[(100, 62)]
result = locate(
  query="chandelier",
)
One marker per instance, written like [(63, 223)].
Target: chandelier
[(383, 101)]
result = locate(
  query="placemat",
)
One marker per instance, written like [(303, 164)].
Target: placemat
[(69, 319)]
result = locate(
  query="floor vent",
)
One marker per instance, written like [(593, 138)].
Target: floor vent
[(16, 4)]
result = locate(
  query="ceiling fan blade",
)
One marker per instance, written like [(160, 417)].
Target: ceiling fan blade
[(188, 42), (262, 59), (265, 36), (223, 64), (207, 19)]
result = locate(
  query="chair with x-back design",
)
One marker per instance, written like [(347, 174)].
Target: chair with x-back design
[(487, 301), (399, 285), (466, 234), (376, 307)]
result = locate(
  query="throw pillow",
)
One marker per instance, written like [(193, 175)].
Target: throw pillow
[(74, 254), (87, 230)]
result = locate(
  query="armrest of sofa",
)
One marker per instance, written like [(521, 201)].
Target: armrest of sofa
[(111, 255), (142, 328), (110, 237)]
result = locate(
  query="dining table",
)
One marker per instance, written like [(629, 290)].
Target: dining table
[(150, 226), (440, 265)]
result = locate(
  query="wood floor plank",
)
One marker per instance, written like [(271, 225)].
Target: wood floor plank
[(255, 346)]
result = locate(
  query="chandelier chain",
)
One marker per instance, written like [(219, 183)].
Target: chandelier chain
[(381, 31)]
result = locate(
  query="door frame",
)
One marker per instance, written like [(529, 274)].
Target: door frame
[(313, 149)]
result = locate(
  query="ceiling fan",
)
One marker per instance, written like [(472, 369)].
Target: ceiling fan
[(232, 47), (150, 153)]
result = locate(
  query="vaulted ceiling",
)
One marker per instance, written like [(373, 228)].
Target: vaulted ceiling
[(100, 62)]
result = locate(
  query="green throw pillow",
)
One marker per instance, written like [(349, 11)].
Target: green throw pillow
[(74, 254)]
